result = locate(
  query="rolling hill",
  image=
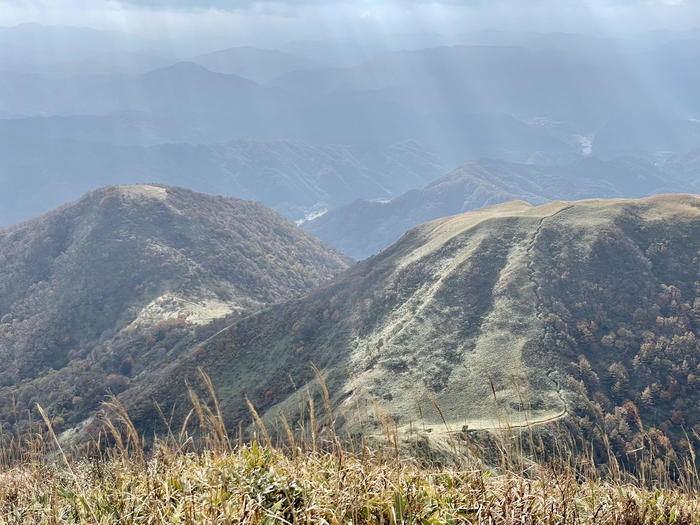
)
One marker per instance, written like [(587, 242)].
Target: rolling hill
[(98, 292), (578, 312), (40, 173), (364, 228), (182, 88), (259, 65)]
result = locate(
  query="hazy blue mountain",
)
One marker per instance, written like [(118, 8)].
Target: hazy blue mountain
[(686, 168), (635, 134), (572, 90), (253, 63), (107, 63), (36, 176), (501, 79), (545, 99), (31, 44), (363, 228), (463, 102), (183, 88)]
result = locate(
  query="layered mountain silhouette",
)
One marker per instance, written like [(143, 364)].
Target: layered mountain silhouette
[(100, 291), (182, 88), (464, 101), (260, 65), (510, 315), (480, 295), (291, 177), (364, 228)]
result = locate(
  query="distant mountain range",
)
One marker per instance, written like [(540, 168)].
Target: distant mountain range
[(26, 46), (100, 292), (538, 93), (364, 228), (260, 65), (177, 89), (294, 178)]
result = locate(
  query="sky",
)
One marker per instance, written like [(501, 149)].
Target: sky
[(318, 19)]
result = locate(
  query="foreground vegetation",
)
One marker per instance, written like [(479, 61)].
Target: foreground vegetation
[(211, 480), (254, 484)]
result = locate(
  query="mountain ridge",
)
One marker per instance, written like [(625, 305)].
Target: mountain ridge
[(290, 177), (257, 64), (490, 303), (101, 290), (363, 228)]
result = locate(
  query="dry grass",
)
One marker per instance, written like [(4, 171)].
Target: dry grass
[(174, 481), (256, 484)]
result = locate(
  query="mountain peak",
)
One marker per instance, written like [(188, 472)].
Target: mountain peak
[(97, 278)]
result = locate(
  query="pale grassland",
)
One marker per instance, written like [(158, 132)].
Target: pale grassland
[(319, 480), (254, 484)]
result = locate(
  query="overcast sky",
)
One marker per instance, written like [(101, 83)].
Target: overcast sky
[(282, 19)]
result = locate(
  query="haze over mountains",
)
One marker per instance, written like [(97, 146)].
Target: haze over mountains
[(293, 178), (445, 97), (260, 65), (387, 261), (378, 150), (73, 100), (364, 228)]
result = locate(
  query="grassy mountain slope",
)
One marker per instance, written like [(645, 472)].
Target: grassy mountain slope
[(93, 293), (364, 228), (509, 302)]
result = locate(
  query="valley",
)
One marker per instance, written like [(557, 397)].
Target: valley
[(350, 263)]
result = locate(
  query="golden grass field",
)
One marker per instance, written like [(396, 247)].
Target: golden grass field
[(315, 477)]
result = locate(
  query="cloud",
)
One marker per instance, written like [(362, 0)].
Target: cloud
[(320, 18), (364, 4)]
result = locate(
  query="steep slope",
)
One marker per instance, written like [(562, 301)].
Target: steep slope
[(90, 293), (364, 228), (512, 302)]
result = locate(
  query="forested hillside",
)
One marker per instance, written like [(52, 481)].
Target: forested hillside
[(97, 294)]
